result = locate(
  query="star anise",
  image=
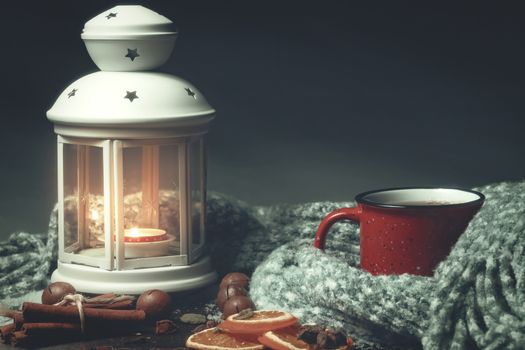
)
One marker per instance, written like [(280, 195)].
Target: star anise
[(322, 338)]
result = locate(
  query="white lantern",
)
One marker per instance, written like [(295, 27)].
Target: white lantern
[(131, 164)]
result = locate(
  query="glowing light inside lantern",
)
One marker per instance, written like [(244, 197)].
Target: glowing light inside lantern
[(136, 234), (145, 242), (133, 232)]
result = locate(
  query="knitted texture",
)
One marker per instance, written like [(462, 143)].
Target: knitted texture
[(475, 299), (26, 260)]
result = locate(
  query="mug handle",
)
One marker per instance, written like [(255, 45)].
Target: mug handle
[(330, 219)]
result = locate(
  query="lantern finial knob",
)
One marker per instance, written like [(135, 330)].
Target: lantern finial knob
[(129, 38)]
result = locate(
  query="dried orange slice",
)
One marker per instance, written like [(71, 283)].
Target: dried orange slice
[(283, 339), (287, 339), (260, 322), (214, 339)]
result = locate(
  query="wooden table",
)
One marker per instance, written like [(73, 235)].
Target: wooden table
[(190, 302)]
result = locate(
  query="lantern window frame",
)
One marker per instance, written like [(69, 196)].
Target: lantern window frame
[(104, 262), (113, 176)]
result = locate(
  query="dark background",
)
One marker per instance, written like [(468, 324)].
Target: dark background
[(315, 100)]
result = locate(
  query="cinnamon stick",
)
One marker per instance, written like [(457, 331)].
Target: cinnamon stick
[(8, 313), (6, 332), (33, 312), (17, 317), (40, 334), (18, 320), (18, 338), (60, 329), (48, 329), (22, 339), (108, 301), (107, 295), (119, 305)]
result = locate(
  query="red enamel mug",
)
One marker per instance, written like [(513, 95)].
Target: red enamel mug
[(406, 230)]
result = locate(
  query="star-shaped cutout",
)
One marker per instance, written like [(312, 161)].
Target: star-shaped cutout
[(190, 92), (131, 95), (111, 15), (132, 54), (72, 93)]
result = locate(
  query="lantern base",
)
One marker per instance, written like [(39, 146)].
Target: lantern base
[(89, 279)]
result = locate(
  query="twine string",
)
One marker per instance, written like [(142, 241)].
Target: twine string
[(75, 299), (79, 300)]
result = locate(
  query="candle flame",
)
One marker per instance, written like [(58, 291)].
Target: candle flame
[(134, 232)]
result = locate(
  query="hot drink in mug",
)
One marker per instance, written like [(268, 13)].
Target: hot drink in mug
[(406, 230)]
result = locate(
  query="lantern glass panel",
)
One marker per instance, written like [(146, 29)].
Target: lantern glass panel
[(169, 192), (83, 200), (132, 187), (151, 200), (196, 194)]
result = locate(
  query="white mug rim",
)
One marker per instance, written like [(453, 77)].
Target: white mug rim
[(371, 198)]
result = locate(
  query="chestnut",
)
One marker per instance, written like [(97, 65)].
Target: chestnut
[(228, 292), (236, 278), (155, 303), (56, 291), (236, 304)]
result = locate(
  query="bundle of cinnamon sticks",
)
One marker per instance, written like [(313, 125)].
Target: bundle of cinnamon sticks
[(40, 324)]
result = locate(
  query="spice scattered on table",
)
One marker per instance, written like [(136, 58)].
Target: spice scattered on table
[(201, 327), (323, 338), (244, 314), (164, 327), (192, 318)]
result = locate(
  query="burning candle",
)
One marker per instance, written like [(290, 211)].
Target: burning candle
[(136, 234), (146, 242), (140, 243)]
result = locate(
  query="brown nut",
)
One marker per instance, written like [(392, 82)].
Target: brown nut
[(236, 278), (228, 292), (236, 304), (155, 303), (56, 291)]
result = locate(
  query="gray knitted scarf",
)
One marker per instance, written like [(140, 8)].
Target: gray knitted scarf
[(476, 298)]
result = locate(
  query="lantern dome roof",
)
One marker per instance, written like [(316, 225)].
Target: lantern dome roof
[(131, 99), (125, 42), (127, 22)]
